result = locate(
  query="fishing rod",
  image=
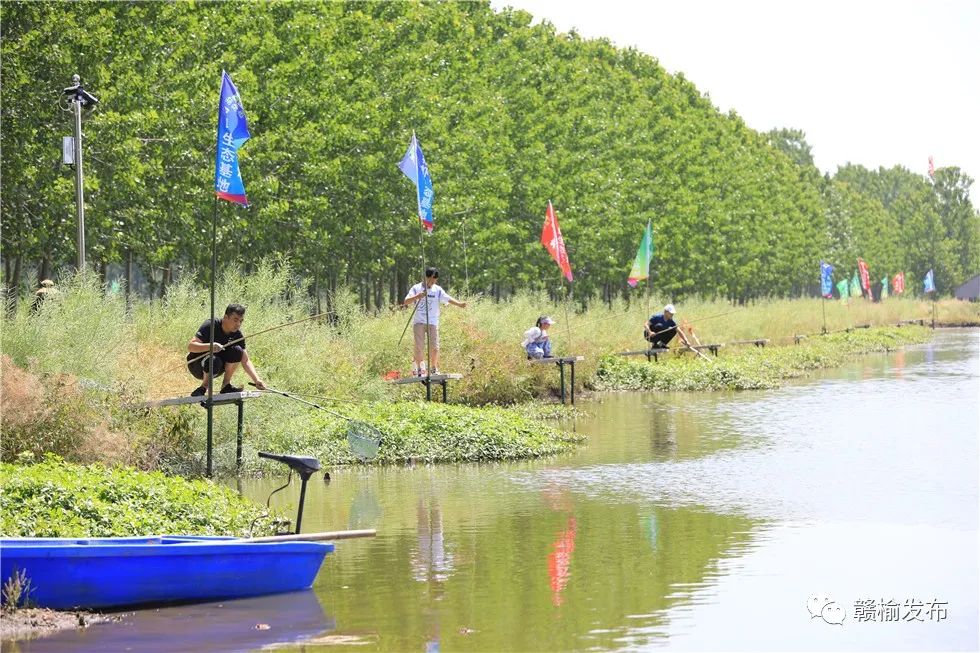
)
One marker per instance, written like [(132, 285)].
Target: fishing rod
[(363, 438), (618, 315), (238, 340), (405, 330)]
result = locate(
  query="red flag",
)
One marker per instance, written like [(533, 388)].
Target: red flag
[(898, 283), (865, 277), (932, 168), (554, 243)]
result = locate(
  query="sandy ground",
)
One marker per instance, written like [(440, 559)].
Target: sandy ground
[(30, 623)]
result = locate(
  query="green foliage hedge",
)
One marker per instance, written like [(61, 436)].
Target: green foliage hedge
[(54, 498)]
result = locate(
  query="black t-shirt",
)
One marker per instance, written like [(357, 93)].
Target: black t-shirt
[(659, 323), (204, 335), (662, 330)]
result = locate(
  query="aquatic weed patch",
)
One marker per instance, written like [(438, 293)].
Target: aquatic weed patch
[(751, 369), (421, 431), (55, 498)]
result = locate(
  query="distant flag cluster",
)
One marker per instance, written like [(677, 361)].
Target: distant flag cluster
[(232, 134), (552, 240), (641, 264), (414, 167)]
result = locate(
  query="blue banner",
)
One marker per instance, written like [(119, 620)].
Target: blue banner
[(928, 283), (232, 134), (414, 167), (827, 279)]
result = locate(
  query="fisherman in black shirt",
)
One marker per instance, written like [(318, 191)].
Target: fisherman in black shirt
[(226, 358), (660, 329)]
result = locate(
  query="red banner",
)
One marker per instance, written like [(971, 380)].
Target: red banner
[(554, 243), (865, 277), (898, 283)]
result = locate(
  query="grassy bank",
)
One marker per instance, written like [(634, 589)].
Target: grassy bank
[(72, 371), (753, 368), (90, 334)]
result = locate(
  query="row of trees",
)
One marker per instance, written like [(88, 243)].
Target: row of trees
[(510, 115)]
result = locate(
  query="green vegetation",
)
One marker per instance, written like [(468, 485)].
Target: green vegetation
[(54, 498), (413, 431), (754, 368), (67, 392), (510, 114)]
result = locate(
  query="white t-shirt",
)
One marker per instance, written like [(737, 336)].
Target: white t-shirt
[(434, 298), (534, 334)]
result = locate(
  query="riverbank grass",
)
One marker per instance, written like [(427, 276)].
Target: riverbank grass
[(752, 368)]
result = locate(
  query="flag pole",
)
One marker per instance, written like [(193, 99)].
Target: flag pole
[(823, 305), (425, 287), (209, 404)]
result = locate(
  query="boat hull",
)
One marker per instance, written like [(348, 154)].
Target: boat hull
[(70, 573)]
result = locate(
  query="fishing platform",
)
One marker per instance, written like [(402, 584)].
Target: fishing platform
[(713, 348), (758, 342), (561, 362), (651, 354), (429, 380), (221, 399)]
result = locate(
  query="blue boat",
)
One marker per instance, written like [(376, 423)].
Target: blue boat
[(93, 573)]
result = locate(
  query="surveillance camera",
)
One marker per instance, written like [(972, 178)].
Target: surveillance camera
[(86, 98), (81, 95)]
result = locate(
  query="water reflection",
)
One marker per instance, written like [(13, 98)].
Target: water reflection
[(228, 626), (698, 522)]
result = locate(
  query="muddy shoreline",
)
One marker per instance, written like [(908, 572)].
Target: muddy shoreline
[(32, 623)]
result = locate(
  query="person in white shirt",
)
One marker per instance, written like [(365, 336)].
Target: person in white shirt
[(426, 320), (536, 342)]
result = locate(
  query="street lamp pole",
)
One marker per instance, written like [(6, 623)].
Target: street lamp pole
[(79, 97), (79, 181)]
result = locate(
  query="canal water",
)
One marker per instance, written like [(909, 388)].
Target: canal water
[(837, 513)]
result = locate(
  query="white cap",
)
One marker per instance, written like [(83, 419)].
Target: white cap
[(669, 308)]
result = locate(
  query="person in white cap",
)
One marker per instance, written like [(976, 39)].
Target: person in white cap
[(536, 342), (660, 329)]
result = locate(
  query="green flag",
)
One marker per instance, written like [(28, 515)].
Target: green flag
[(842, 289), (641, 264), (884, 287), (856, 285)]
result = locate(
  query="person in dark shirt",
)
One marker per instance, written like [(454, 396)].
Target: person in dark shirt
[(227, 357), (660, 329)]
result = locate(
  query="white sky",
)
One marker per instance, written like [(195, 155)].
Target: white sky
[(871, 82)]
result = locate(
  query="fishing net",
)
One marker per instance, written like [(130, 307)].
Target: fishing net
[(364, 439)]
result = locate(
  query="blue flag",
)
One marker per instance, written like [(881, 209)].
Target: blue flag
[(414, 167), (232, 134), (827, 279), (929, 283)]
